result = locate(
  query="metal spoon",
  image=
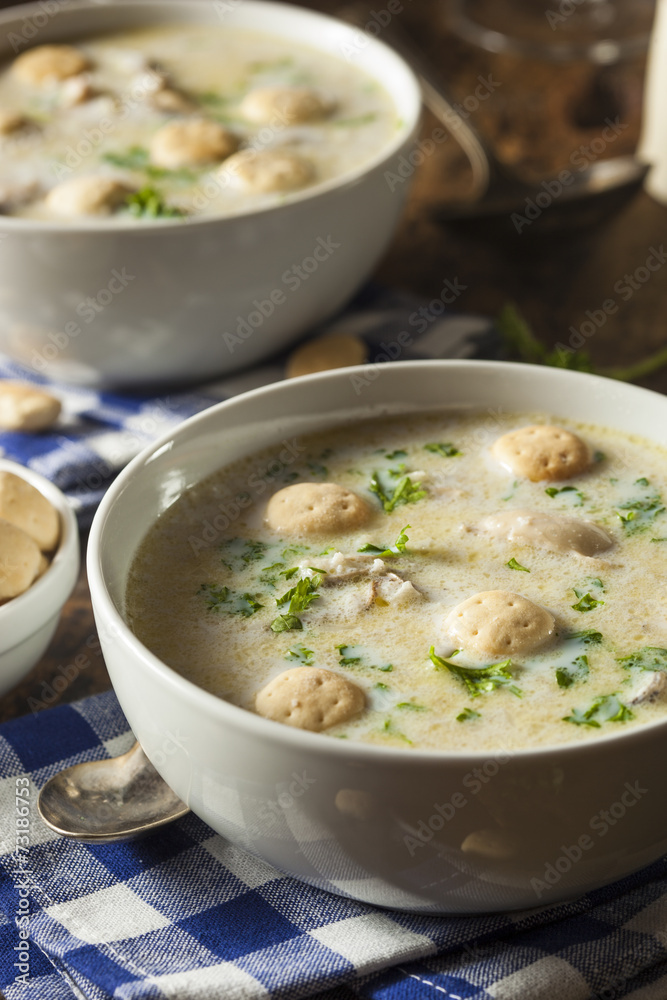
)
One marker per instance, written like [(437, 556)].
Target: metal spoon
[(107, 800), (596, 190)]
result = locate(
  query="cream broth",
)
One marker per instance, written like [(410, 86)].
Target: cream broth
[(205, 583), (102, 122)]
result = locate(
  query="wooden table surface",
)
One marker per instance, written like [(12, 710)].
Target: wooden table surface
[(555, 279)]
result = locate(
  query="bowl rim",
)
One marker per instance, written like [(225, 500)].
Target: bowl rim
[(46, 596), (111, 623), (404, 135)]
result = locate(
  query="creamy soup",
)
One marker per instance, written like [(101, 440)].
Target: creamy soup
[(180, 120), (430, 581)]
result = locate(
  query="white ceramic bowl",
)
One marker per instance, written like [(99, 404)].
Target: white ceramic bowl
[(279, 792), (28, 622), (190, 281)]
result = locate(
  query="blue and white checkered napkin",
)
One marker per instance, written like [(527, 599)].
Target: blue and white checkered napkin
[(99, 432), (184, 915)]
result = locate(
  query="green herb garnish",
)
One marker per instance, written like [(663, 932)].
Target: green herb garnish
[(405, 491), (586, 602), (467, 714), (553, 491), (588, 636), (223, 599), (300, 654), (393, 550), (636, 515), (345, 659), (607, 708), (478, 680), (286, 623), (412, 706), (298, 598), (513, 564), (354, 122), (646, 658), (565, 676), (445, 449), (149, 204)]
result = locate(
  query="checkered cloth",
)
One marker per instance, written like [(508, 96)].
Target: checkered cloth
[(99, 432), (185, 915)]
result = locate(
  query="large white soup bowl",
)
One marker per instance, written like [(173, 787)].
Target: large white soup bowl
[(180, 286), (381, 825)]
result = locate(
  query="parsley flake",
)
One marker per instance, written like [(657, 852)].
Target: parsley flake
[(577, 499), (393, 550), (478, 680), (566, 676), (467, 714), (405, 491), (646, 658), (606, 708), (586, 602), (300, 654), (513, 564), (446, 449), (636, 515)]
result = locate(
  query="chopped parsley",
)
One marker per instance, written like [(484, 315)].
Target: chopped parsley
[(390, 730), (606, 708), (405, 491), (636, 515), (300, 654), (298, 598), (513, 564), (286, 623), (345, 659), (393, 455), (446, 449), (577, 499), (149, 204), (566, 676), (253, 551), (318, 470), (467, 714), (646, 658), (412, 706), (478, 680), (586, 602), (269, 574), (588, 636), (219, 598), (137, 158), (381, 687), (393, 550)]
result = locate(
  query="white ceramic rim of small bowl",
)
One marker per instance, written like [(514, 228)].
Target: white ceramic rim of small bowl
[(22, 616), (408, 128), (267, 729)]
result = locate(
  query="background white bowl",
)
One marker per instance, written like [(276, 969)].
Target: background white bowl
[(283, 793), (28, 622), (192, 280)]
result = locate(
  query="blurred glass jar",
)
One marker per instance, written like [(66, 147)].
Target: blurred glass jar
[(569, 76)]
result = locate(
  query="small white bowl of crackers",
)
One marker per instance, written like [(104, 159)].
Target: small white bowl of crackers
[(39, 564)]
